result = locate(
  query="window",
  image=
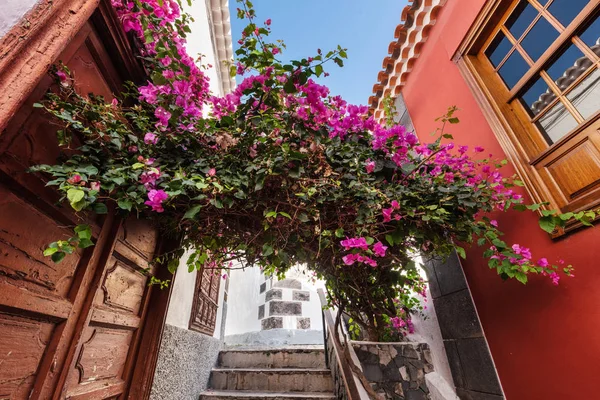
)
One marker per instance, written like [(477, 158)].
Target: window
[(206, 302), (534, 66)]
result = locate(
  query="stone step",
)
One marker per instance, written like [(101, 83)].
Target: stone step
[(280, 358), (272, 379), (247, 395)]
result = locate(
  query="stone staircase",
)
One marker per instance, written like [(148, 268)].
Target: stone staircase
[(274, 374)]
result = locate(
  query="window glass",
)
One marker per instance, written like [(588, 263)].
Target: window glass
[(556, 123), (568, 66), (537, 97), (565, 11), (513, 69), (521, 18), (586, 96), (539, 38), (591, 36), (498, 49)]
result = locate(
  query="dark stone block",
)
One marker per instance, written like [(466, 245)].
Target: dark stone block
[(432, 280), (303, 323), (454, 363), (277, 307), (477, 366), (263, 287), (288, 284), (450, 275), (366, 357), (373, 373), (261, 311), (416, 394), (271, 323), (457, 316), (391, 373), (273, 294), (299, 295), (470, 395)]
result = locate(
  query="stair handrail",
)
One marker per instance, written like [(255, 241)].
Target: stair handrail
[(348, 377)]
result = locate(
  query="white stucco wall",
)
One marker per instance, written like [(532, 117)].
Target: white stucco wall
[(11, 11), (244, 297), (427, 329), (199, 41)]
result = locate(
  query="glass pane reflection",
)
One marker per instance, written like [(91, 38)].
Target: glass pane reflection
[(591, 36), (539, 38), (537, 97), (568, 67), (586, 96), (513, 69), (556, 123), (498, 49), (521, 18), (565, 11)]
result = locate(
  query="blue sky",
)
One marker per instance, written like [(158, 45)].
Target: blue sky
[(364, 27)]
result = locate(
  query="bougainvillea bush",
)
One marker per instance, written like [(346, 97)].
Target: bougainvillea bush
[(280, 172)]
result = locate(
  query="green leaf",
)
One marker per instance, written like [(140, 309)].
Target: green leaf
[(58, 256), (138, 165), (83, 231), (100, 208), (271, 214), (288, 216), (289, 86), (461, 252), (339, 232), (319, 70), (49, 251), (75, 195), (521, 277), (38, 105), (191, 213), (125, 204), (267, 250), (172, 265), (85, 243), (453, 120), (547, 223), (389, 239), (303, 217)]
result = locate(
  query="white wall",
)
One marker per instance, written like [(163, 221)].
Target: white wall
[(244, 297), (199, 41), (427, 330), (11, 11)]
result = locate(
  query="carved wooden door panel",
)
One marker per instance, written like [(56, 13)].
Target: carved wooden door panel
[(67, 330), (206, 302)]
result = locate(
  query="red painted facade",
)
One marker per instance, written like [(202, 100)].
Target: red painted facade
[(543, 338)]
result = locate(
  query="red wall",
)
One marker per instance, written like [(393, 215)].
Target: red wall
[(545, 339)]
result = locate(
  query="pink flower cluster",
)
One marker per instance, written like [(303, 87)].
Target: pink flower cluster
[(378, 249), (155, 200), (388, 213)]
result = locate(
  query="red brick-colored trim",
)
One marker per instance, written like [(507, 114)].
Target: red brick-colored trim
[(31, 46)]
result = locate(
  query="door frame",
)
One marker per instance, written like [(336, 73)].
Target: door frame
[(52, 25)]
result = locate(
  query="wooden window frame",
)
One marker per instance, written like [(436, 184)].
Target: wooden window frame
[(522, 148), (205, 302)]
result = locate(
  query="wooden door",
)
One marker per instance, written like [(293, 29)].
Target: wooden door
[(68, 330)]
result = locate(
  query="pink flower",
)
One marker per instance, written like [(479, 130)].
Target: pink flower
[(387, 214), (395, 205), (555, 278), (62, 77), (275, 51), (370, 167), (349, 259), (95, 186), (162, 115), (543, 262), (114, 102), (479, 149), (166, 61), (212, 172), (360, 243), (74, 179), (268, 22), (379, 249), (494, 223), (150, 138), (155, 200)]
